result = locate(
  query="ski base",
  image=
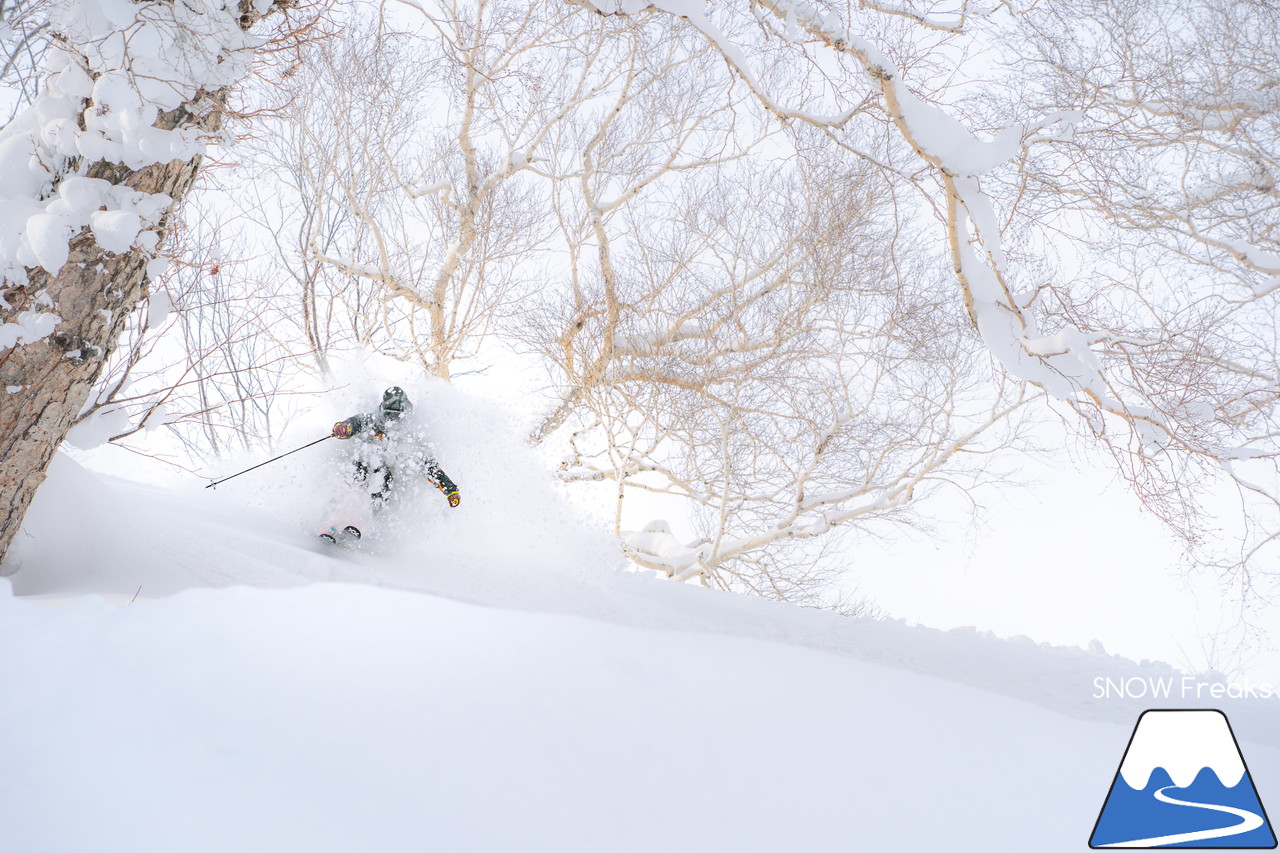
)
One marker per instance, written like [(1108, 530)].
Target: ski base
[(348, 535)]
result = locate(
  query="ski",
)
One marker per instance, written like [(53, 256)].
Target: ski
[(348, 535)]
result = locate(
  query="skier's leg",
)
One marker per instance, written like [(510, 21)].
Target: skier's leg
[(384, 490)]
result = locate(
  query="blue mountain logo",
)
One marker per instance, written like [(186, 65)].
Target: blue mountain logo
[(1183, 783)]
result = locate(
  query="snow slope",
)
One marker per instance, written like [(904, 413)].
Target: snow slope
[(186, 669)]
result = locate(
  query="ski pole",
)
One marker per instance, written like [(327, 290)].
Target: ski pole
[(268, 462)]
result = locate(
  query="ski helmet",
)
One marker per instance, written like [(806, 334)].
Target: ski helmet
[(395, 403)]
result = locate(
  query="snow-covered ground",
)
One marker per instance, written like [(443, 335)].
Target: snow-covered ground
[(189, 670)]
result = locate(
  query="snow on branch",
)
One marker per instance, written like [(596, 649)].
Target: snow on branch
[(1150, 340), (115, 67), (1059, 360)]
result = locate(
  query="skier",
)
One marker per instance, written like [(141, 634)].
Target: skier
[(387, 446)]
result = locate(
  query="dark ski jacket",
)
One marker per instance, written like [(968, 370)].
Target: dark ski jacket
[(394, 445)]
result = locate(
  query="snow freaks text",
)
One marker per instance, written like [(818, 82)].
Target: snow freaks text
[(1181, 687)]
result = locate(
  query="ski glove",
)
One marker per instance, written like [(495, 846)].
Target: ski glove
[(342, 429), (454, 498)]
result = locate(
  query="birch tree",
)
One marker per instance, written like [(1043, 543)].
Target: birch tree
[(1172, 163), (1122, 127), (24, 39), (782, 380), (414, 155), (744, 327)]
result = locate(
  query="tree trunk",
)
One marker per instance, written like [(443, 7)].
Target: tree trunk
[(45, 384)]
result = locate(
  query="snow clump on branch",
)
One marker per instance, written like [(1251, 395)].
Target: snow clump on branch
[(115, 67)]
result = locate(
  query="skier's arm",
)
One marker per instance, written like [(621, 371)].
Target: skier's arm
[(351, 426), (437, 475)]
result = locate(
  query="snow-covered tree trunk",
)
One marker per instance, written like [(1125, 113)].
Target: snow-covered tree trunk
[(93, 172)]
